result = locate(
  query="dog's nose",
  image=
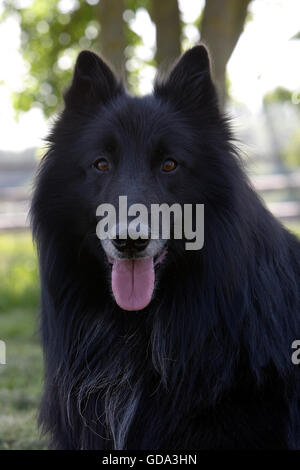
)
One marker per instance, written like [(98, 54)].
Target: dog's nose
[(130, 245)]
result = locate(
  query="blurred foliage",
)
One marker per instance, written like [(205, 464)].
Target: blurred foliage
[(291, 153), (52, 35), (53, 32), (279, 94), (50, 41)]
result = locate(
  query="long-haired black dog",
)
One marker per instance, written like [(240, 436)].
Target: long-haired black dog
[(202, 358)]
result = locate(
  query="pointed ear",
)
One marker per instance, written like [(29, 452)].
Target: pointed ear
[(189, 84), (93, 82)]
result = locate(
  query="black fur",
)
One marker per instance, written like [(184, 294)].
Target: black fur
[(207, 365)]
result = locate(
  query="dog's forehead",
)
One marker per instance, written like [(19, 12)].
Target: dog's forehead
[(136, 116)]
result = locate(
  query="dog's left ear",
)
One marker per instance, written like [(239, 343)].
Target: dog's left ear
[(93, 82), (189, 84)]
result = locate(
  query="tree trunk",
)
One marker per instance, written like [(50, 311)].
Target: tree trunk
[(165, 15), (112, 34), (221, 27)]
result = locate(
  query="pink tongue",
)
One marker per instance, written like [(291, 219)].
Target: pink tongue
[(133, 282)]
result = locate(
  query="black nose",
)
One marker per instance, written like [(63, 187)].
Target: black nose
[(130, 245)]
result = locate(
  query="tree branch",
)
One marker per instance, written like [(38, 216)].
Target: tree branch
[(165, 14), (112, 35), (221, 27)]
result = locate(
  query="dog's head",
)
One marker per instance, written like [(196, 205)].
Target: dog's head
[(109, 148)]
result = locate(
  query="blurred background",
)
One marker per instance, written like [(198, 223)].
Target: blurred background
[(255, 48)]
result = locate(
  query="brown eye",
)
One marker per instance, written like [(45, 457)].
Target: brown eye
[(102, 164), (169, 165)]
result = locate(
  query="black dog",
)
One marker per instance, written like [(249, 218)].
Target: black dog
[(201, 359)]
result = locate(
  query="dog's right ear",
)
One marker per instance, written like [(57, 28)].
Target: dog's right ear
[(93, 83)]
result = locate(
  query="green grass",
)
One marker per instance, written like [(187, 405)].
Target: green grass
[(21, 377), (18, 272)]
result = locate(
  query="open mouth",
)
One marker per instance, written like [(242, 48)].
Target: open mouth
[(132, 279)]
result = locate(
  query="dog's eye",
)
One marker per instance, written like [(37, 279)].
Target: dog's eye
[(169, 165), (102, 164)]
